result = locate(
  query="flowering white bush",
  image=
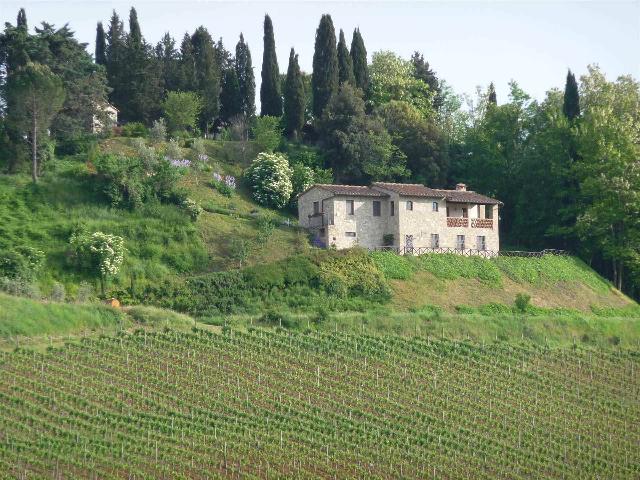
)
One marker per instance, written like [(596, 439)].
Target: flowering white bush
[(105, 251), (193, 209), (270, 178)]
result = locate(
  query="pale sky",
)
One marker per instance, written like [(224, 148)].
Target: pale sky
[(468, 43)]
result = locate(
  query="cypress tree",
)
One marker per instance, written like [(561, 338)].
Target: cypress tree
[(422, 71), (345, 63), (101, 54), (115, 61), (571, 105), (207, 76), (325, 65), (492, 98), (294, 99), (22, 19), (167, 57), (230, 99), (359, 59), (246, 79), (270, 96), (135, 35), (187, 67)]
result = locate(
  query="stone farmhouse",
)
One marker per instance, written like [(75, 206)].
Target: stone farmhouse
[(410, 218)]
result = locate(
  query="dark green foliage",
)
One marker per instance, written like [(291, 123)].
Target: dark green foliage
[(230, 97), (246, 78), (345, 62), (325, 65), (571, 104), (522, 302), (422, 71), (357, 145), (101, 43), (116, 56), (135, 35), (275, 318), (360, 66), (135, 129), (491, 95), (21, 21), (187, 66), (270, 96), (168, 62), (128, 182), (207, 76), (294, 98)]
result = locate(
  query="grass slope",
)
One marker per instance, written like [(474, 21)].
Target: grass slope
[(268, 404)]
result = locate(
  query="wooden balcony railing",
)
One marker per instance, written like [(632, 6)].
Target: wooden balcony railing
[(464, 222)]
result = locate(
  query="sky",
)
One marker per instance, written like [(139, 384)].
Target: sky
[(468, 43)]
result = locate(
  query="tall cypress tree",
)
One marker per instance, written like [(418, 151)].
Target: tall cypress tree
[(187, 67), (571, 105), (230, 98), (246, 79), (135, 34), (167, 56), (359, 59), (345, 63), (101, 54), (492, 98), (294, 98), (22, 19), (270, 96), (116, 61), (325, 65), (207, 76)]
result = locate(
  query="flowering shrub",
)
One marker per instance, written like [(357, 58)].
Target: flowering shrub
[(179, 163), (230, 181), (193, 209), (270, 178), (102, 252), (225, 184)]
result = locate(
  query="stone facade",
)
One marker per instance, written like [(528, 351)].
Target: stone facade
[(399, 215)]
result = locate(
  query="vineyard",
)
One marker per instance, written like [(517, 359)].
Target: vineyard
[(282, 404)]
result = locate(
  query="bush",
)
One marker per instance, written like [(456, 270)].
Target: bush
[(21, 262), (134, 129), (222, 188), (277, 319), (58, 293), (270, 178), (353, 272), (267, 133), (192, 208), (158, 132), (522, 302)]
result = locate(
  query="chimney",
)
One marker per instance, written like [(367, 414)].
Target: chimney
[(461, 187)]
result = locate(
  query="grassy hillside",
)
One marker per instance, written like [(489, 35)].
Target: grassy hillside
[(267, 404)]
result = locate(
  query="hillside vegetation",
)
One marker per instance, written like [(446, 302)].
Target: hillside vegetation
[(269, 404)]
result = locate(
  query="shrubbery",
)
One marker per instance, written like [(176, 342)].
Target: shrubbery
[(394, 266), (134, 129), (270, 178)]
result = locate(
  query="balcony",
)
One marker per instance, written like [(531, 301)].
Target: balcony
[(464, 222), (320, 220)]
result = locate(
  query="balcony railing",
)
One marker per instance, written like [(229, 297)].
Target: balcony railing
[(317, 220), (457, 222), (464, 222), (481, 223)]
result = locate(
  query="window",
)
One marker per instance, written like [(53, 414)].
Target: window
[(350, 207), (448, 212), (482, 242), (460, 242), (409, 205), (376, 208), (392, 208), (488, 211), (435, 240), (434, 206), (316, 207), (465, 213), (350, 234)]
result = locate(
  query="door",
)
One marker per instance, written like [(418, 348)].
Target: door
[(408, 243)]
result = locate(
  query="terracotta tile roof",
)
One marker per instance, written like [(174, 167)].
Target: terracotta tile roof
[(352, 190), (409, 189), (468, 196)]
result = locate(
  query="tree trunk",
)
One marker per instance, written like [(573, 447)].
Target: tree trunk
[(34, 148)]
